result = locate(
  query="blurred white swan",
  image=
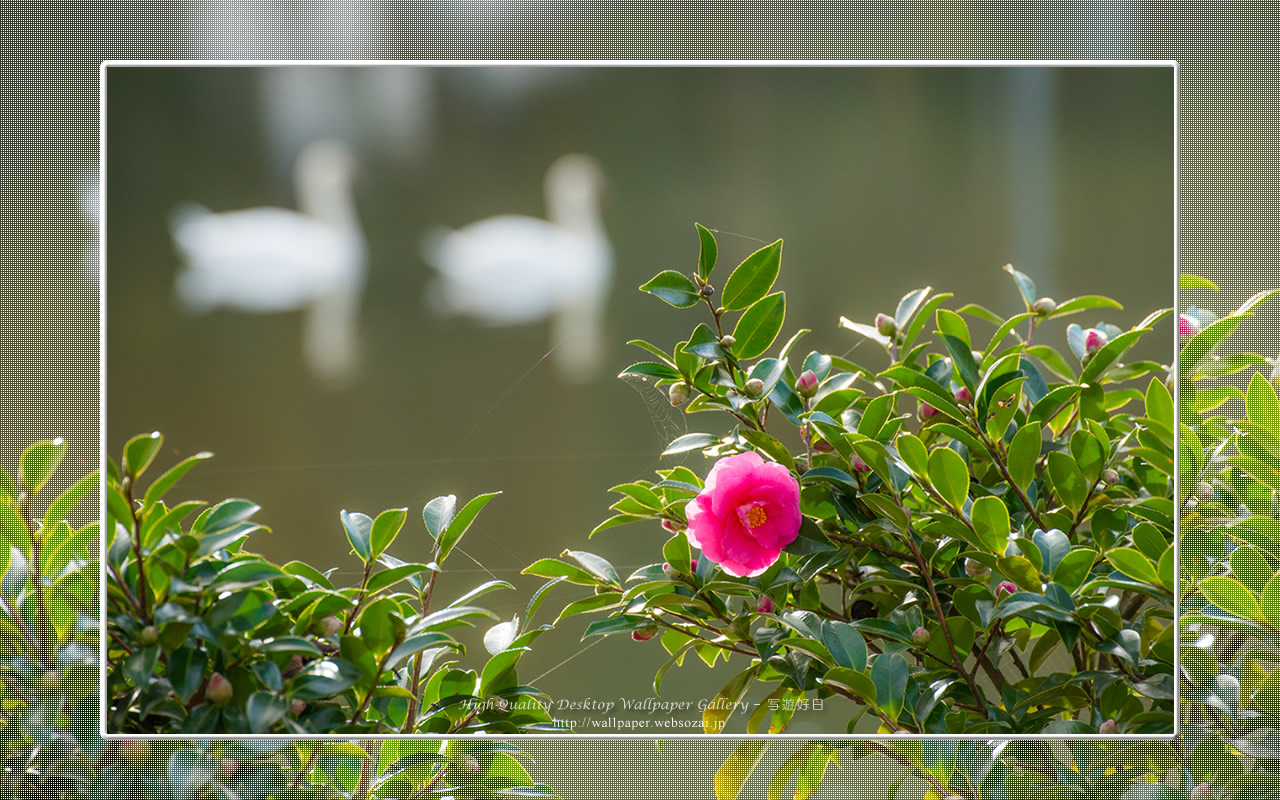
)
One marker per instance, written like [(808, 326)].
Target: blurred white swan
[(510, 270), (265, 260)]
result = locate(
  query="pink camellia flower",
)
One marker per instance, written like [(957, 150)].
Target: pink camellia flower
[(748, 512), (765, 604), (1005, 587), (964, 395), (1188, 326), (927, 411), (1094, 340)]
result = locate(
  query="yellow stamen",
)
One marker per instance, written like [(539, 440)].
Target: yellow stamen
[(756, 517)]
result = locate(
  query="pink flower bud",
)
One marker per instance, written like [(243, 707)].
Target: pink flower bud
[(964, 395), (859, 465), (927, 411), (330, 626), (1109, 728), (678, 394), (885, 325), (644, 634), (1204, 491), (470, 765), (1094, 340), (754, 387), (1110, 477), (765, 604), (1188, 326), (1005, 587), (807, 383), (920, 636), (219, 690), (227, 768), (297, 706), (1202, 791), (669, 526)]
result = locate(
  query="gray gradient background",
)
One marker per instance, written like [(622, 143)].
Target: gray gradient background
[(49, 326)]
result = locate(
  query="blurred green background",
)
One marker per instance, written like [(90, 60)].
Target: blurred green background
[(880, 180)]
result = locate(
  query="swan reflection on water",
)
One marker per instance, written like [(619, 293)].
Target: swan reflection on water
[(512, 270), (268, 260)]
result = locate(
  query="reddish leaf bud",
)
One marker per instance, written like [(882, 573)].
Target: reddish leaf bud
[(920, 636), (644, 634)]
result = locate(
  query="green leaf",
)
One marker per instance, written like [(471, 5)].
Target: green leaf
[(1026, 286), (1250, 567), (913, 453), (1188, 282), (775, 449), (706, 252), (1083, 303), (1021, 571), (1134, 564), (990, 518), (845, 644), (139, 452), (245, 574), (1053, 545), (1160, 404), (384, 530), (69, 499), (735, 770), (1231, 596), (499, 672), (1260, 402), (39, 461), (1068, 481), (721, 707), (673, 288), (438, 513), (165, 482), (652, 369), (752, 279), (1108, 355), (186, 670), (1024, 450), (952, 324), (1053, 360), (889, 674), (758, 326), (265, 709), (390, 577), (227, 515), (949, 476), (1271, 601), (139, 666), (690, 441), (358, 527), (1074, 568), (551, 568), (189, 772), (458, 526), (596, 565), (608, 626), (588, 604), (962, 357)]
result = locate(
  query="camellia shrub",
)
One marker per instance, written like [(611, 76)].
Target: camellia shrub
[(975, 536), (207, 637), (1229, 742)]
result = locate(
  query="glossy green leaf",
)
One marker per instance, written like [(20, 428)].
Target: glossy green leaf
[(949, 475), (139, 452), (551, 568), (358, 527), (384, 530), (68, 500), (752, 279), (845, 644), (690, 441), (735, 770), (990, 519), (160, 486), (673, 288), (1074, 568), (962, 358), (889, 674), (1250, 567), (707, 252), (1160, 405), (1068, 481), (758, 326), (438, 513), (597, 566), (265, 709), (460, 523), (1134, 564), (185, 670), (1024, 451), (1261, 403), (1231, 596), (1021, 571), (1270, 601), (721, 707), (1026, 286), (38, 463)]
